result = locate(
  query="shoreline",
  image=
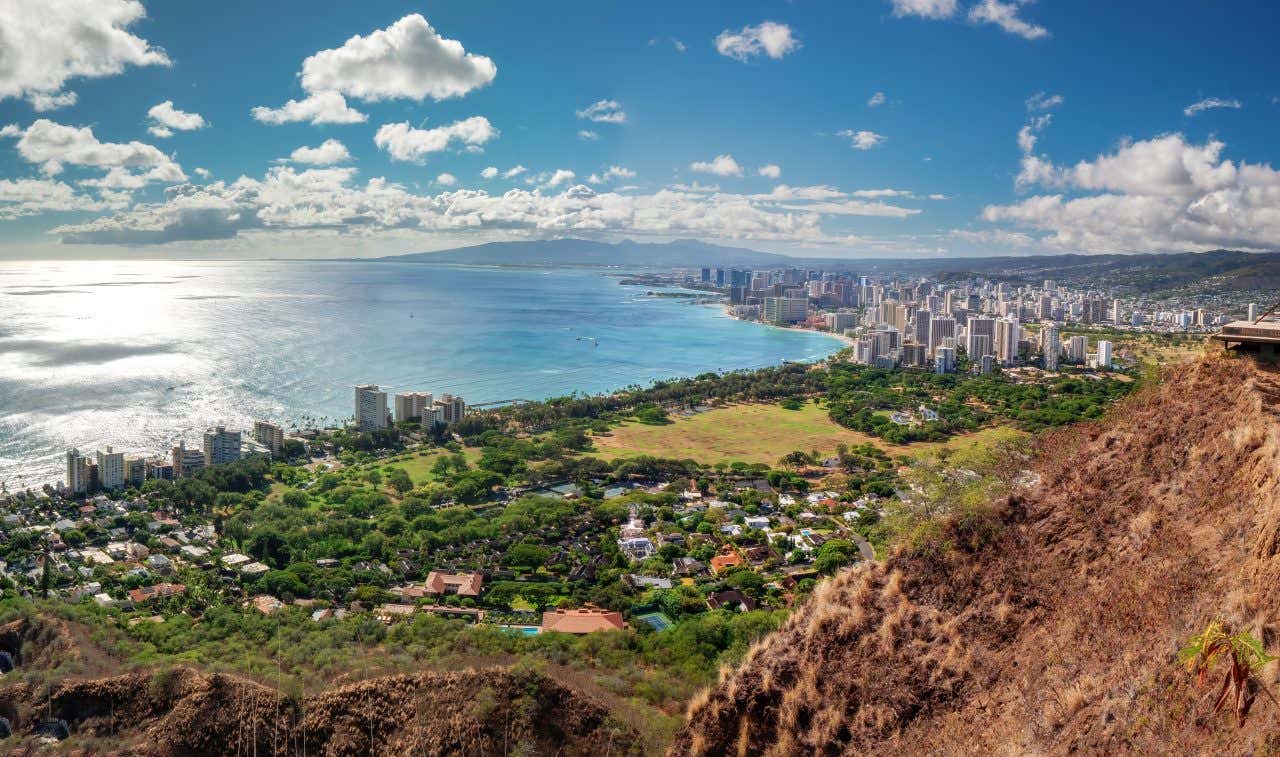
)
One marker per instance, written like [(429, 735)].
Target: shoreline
[(848, 341)]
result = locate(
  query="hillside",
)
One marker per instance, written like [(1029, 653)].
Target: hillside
[(1053, 624), (184, 710), (542, 252)]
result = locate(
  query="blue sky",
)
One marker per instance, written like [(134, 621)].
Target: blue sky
[(747, 123)]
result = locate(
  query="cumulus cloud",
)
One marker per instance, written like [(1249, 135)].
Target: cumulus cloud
[(1160, 194), (202, 173), (1005, 15), (863, 140), (876, 100), (446, 179), (45, 43), (411, 145), (53, 146), (611, 173), (408, 59), (489, 172), (560, 176), (329, 201), (327, 153), (318, 108), (924, 8), (1209, 103), (769, 38), (721, 165), (165, 119), (587, 135), (769, 171), (604, 112), (513, 172), (24, 197)]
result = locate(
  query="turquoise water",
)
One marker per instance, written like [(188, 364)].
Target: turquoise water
[(140, 354)]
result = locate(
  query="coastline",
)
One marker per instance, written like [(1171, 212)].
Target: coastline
[(848, 341)]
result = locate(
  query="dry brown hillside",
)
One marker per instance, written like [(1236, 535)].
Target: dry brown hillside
[(182, 711), (1059, 632)]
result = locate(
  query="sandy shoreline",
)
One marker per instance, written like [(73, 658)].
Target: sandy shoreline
[(847, 340)]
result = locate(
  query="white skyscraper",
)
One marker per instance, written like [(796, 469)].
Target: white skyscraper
[(1008, 334), (1253, 311), (110, 469), (1051, 346), (371, 407), (269, 435), (412, 405), (77, 472), (1104, 354)]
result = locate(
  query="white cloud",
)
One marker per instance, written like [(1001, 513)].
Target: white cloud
[(318, 108), (604, 112), (611, 173), (1209, 103), (863, 140), (44, 43), (446, 179), (327, 153), (769, 171), (560, 176), (587, 135), (202, 173), (1160, 194), (43, 101), (1005, 15), (880, 193), (769, 38), (679, 46), (513, 172), (924, 8), (1043, 101), (876, 100), (412, 145), (408, 59), (165, 118), (721, 165), (489, 172), (54, 146), (24, 197)]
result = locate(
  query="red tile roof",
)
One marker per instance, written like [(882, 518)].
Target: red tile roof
[(586, 620), (462, 584)]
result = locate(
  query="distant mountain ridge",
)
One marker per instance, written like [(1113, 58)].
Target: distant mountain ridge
[(1143, 272), (677, 253)]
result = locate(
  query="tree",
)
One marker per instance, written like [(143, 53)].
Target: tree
[(399, 480), (46, 577)]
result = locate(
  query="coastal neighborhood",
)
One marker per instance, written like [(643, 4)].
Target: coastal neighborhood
[(504, 516)]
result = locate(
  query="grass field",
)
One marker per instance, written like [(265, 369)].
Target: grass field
[(750, 433), (419, 466)]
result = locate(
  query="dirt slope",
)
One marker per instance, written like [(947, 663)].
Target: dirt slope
[(1059, 632), (182, 711)]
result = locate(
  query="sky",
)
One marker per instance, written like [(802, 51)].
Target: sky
[(860, 128)]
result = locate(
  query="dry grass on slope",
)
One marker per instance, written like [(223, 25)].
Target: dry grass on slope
[(1060, 632)]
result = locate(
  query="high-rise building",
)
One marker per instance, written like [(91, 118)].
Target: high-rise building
[(77, 472), (1008, 334), (451, 408), (269, 435), (1117, 315), (1050, 346), (221, 446), (411, 404), (135, 471), (944, 360), (1253, 311), (785, 309), (1104, 354), (980, 337), (371, 408), (111, 469), (940, 329), (186, 462), (1077, 349)]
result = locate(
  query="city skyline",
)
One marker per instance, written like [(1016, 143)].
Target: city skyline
[(889, 128)]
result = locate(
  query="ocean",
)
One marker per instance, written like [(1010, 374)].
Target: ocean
[(140, 354)]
